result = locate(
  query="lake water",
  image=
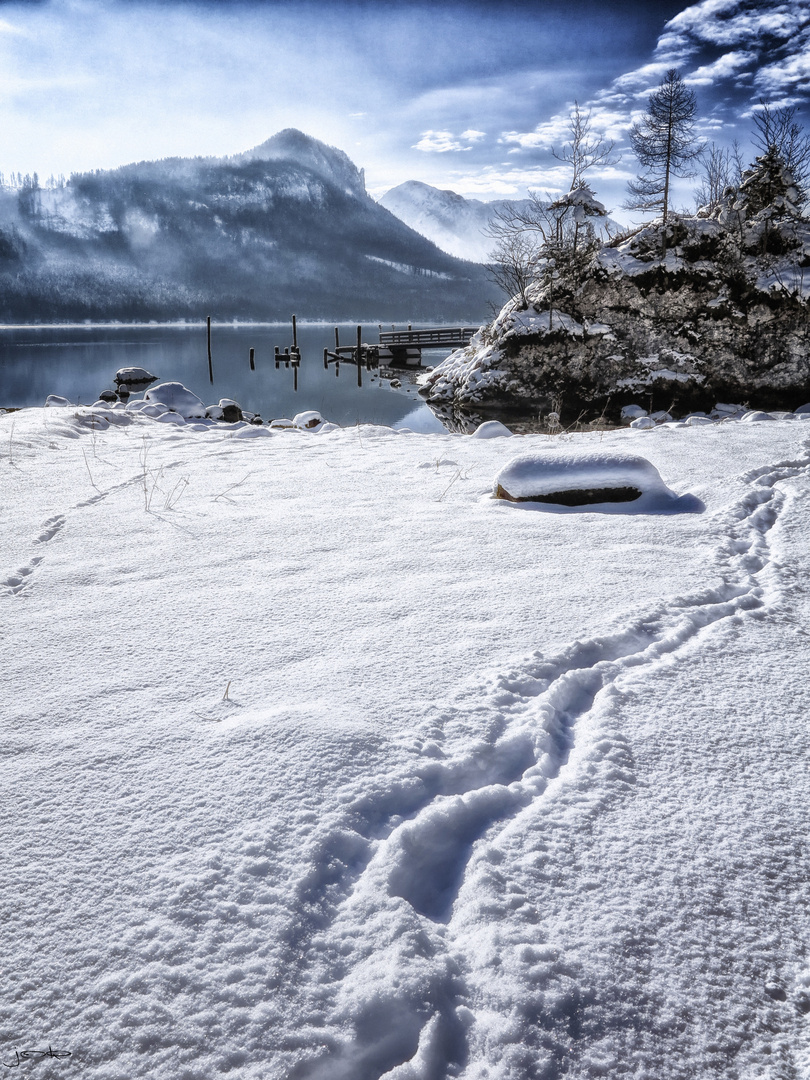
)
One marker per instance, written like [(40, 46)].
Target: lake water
[(78, 362)]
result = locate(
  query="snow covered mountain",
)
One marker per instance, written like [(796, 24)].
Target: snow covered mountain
[(453, 223), (284, 227), (302, 150)]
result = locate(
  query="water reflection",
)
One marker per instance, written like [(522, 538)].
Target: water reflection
[(78, 362)]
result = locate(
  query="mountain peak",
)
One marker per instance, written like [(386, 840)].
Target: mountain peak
[(295, 146)]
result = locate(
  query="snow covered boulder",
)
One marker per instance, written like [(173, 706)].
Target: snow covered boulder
[(54, 401), (632, 412), (643, 422), (177, 398), (308, 420), (231, 410), (134, 377), (581, 479), (491, 429)]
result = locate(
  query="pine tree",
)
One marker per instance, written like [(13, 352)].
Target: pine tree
[(664, 143)]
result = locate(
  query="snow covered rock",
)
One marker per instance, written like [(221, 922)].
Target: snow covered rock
[(147, 408), (54, 401), (705, 308), (134, 377), (755, 416), (491, 429), (308, 420), (231, 410), (177, 398), (643, 422), (632, 412), (580, 479)]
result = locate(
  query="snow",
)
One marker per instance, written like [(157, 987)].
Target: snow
[(320, 762)]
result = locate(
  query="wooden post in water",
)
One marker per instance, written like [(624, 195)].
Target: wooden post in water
[(210, 364), (325, 359), (359, 349), (252, 364), (337, 339), (295, 335)]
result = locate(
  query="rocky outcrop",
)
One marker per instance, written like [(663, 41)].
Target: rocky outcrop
[(704, 308)]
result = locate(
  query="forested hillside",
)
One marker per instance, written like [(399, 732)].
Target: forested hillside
[(287, 226)]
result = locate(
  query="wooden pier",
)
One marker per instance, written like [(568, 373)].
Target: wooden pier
[(396, 349), (403, 348)]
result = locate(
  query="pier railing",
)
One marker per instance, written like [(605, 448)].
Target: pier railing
[(436, 337)]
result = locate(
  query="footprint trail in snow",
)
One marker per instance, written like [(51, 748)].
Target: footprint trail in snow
[(383, 957)]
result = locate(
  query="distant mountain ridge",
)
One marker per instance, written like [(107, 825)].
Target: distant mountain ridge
[(286, 226), (455, 224)]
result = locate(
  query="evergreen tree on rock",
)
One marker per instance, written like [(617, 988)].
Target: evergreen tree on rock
[(664, 143)]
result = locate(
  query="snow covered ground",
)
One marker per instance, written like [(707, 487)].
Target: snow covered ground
[(495, 791)]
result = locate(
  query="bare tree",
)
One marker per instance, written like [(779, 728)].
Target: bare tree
[(543, 231), (513, 258), (720, 168), (664, 143), (585, 151), (779, 128)]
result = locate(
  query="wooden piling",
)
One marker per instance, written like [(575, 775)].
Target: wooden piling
[(359, 351), (337, 339), (325, 359), (252, 361), (295, 334), (210, 362)]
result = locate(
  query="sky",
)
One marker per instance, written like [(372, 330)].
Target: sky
[(462, 95)]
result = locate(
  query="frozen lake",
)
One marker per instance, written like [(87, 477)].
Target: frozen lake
[(78, 362)]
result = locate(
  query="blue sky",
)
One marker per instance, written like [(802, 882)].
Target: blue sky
[(462, 95)]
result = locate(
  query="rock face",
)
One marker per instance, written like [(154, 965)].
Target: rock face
[(706, 308)]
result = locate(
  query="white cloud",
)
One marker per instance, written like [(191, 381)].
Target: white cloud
[(723, 68), (443, 142), (792, 73), (556, 131), (732, 22), (642, 79)]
